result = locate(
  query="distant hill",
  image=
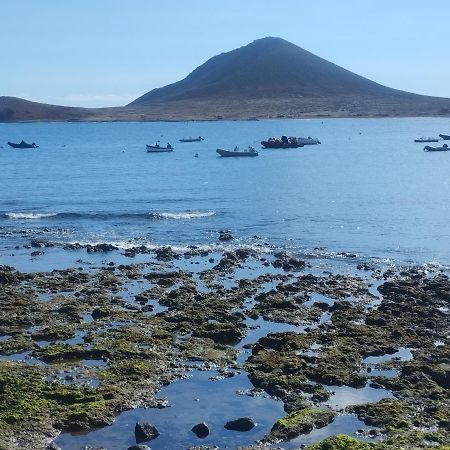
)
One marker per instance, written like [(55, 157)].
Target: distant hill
[(268, 68), (267, 78)]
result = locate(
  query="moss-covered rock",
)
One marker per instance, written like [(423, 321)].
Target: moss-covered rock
[(299, 422)]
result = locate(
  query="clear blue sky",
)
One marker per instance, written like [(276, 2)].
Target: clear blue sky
[(107, 52)]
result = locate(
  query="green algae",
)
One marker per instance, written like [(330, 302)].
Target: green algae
[(299, 422), (341, 442)]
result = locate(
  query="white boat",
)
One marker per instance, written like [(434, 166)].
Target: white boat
[(250, 151), (191, 139), (426, 139), (158, 149), (307, 141)]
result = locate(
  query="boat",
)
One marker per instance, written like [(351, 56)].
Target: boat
[(22, 144), (190, 139), (250, 151), (446, 137), (158, 149), (444, 148), (283, 142), (426, 139), (308, 141)]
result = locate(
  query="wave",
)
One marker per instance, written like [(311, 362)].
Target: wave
[(176, 215), (185, 215), (29, 215)]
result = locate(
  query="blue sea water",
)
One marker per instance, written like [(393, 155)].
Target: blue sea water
[(368, 188)]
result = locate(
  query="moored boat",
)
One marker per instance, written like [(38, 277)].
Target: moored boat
[(426, 139), (250, 151), (158, 149), (283, 142), (308, 141), (446, 137), (190, 139), (444, 148), (22, 144)]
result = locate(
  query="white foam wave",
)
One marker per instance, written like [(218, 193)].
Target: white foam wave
[(185, 215), (29, 215)]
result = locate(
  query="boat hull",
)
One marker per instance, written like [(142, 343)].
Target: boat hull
[(267, 144), (192, 140), (228, 153), (446, 137), (426, 140), (153, 149), (24, 145), (427, 148)]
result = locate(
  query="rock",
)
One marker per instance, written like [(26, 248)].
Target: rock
[(139, 447), (225, 235), (98, 314), (145, 431), (100, 248), (241, 424), (40, 244), (201, 430), (166, 254), (53, 446)]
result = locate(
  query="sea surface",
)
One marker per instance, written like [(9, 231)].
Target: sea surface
[(367, 189)]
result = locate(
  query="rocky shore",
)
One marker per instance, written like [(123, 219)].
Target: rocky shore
[(81, 345)]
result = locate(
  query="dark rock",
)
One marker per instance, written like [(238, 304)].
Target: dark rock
[(201, 430), (241, 424), (145, 431), (53, 446), (100, 248), (225, 235), (98, 314), (166, 254)]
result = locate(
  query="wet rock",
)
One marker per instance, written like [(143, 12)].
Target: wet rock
[(35, 243), (166, 254), (53, 446), (139, 447), (98, 313), (101, 248), (299, 422), (201, 430), (241, 424), (225, 235), (287, 262), (145, 431)]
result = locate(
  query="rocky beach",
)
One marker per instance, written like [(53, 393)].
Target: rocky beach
[(355, 343)]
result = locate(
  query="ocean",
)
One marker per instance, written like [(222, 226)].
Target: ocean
[(368, 189)]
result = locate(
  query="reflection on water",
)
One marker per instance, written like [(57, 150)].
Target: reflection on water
[(195, 400)]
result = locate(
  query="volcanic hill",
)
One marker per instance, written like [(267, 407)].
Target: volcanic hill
[(267, 78)]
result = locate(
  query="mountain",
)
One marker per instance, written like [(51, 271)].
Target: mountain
[(271, 68), (267, 78)]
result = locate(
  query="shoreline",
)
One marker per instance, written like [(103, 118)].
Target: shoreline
[(241, 119), (99, 338)]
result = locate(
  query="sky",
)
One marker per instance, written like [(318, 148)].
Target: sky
[(108, 52)]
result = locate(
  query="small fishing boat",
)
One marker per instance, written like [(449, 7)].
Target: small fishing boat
[(426, 139), (22, 144), (444, 148), (283, 142), (158, 149), (250, 151), (190, 139), (446, 137)]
